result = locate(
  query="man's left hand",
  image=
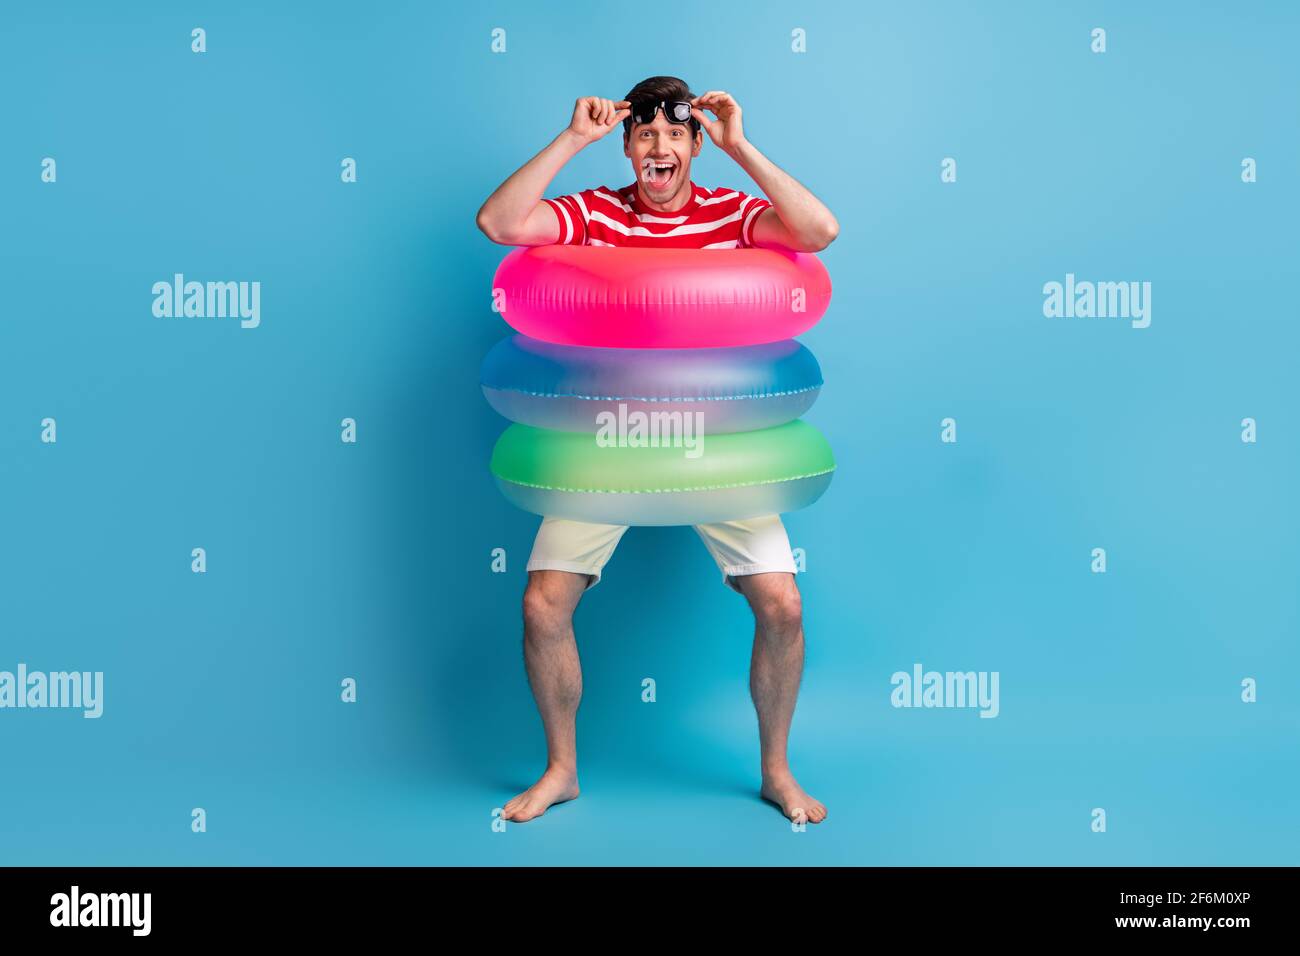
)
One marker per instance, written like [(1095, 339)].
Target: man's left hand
[(725, 131)]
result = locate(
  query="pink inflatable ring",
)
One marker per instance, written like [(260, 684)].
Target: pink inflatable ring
[(660, 298)]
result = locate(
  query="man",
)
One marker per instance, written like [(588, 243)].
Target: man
[(662, 123)]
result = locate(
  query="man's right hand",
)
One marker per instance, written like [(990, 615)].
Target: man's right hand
[(515, 214), (593, 117)]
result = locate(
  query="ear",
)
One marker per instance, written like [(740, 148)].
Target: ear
[(699, 142), (626, 152)]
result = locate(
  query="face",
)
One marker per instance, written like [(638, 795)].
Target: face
[(661, 157)]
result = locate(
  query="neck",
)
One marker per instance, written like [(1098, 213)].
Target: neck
[(677, 202)]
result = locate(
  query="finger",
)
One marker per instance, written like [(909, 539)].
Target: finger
[(704, 120), (622, 103), (711, 102), (620, 116)]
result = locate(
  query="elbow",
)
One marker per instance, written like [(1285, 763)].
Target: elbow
[(485, 225), (825, 236), (832, 230), (490, 228), (819, 239)]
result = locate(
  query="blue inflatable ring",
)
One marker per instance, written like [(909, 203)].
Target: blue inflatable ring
[(566, 387)]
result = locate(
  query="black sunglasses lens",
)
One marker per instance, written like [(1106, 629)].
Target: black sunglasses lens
[(675, 112), (644, 112)]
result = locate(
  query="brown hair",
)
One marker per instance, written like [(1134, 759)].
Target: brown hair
[(660, 89)]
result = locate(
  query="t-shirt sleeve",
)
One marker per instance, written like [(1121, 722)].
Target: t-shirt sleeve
[(572, 213), (750, 208)]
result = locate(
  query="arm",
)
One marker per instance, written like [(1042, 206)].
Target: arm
[(797, 220), (515, 215)]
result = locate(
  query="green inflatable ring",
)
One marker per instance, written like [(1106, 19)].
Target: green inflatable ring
[(727, 477)]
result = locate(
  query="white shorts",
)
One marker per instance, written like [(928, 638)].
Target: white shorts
[(752, 546)]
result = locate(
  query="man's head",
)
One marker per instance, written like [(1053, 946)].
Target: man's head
[(659, 148)]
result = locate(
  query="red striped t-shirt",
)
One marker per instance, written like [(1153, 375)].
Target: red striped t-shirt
[(712, 219)]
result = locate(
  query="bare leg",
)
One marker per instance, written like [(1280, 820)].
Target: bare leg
[(774, 673), (555, 675)]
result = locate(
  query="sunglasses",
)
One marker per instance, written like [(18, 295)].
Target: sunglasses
[(675, 111)]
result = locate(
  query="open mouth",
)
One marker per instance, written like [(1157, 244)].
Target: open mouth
[(657, 173)]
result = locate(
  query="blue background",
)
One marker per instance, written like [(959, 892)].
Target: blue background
[(1118, 690)]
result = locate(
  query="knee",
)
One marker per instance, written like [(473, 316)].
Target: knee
[(546, 607), (539, 609), (779, 609)]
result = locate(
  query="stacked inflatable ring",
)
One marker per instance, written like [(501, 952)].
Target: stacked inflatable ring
[(658, 386)]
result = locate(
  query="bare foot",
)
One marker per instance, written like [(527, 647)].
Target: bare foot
[(555, 786), (783, 790)]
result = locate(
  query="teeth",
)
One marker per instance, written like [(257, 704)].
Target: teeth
[(649, 167)]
